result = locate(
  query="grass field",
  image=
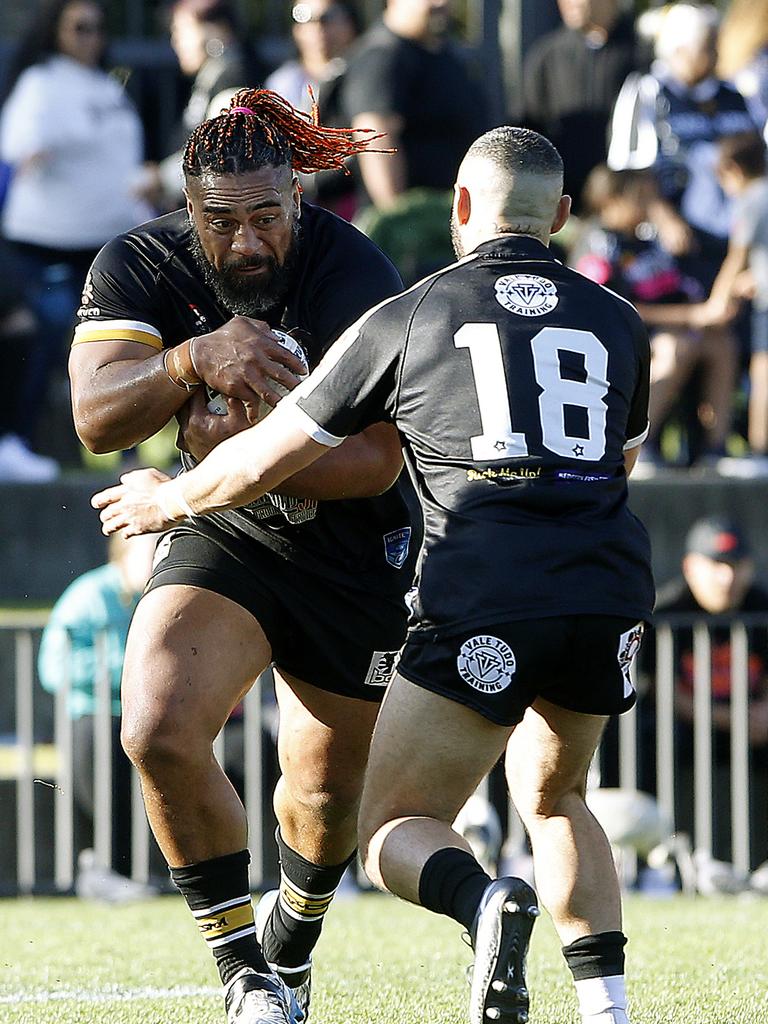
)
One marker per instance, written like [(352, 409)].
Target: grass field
[(379, 962)]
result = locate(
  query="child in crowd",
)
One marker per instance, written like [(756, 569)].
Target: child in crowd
[(742, 173), (620, 250)]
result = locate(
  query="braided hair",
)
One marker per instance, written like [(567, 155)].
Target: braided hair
[(260, 128)]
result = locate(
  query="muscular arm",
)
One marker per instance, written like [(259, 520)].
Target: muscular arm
[(384, 174), (366, 464), (121, 394), (240, 470)]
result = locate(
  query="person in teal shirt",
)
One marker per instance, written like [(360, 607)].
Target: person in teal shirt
[(87, 629)]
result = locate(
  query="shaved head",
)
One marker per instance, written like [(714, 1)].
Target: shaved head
[(514, 179)]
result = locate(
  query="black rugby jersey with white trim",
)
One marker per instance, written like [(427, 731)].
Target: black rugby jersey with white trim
[(517, 385), (146, 286)]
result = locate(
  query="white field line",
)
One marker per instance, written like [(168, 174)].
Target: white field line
[(109, 994)]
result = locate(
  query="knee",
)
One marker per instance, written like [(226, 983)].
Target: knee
[(555, 799), (333, 800), (153, 742)]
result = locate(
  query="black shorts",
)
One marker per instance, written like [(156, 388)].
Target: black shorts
[(341, 639), (579, 662)]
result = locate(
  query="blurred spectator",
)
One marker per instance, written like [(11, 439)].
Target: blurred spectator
[(407, 79), (718, 579), (742, 173), (17, 335), (620, 249), (323, 32), (671, 121), (743, 53), (571, 78), (208, 40), (85, 636), (74, 142)]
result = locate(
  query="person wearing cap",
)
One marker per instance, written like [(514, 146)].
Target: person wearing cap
[(718, 579)]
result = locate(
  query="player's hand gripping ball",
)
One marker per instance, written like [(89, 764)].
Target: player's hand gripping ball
[(217, 403)]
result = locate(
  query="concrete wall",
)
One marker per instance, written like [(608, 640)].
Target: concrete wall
[(50, 534)]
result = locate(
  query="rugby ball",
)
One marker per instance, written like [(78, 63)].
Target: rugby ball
[(217, 403)]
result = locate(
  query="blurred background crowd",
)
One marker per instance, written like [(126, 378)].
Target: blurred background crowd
[(659, 111)]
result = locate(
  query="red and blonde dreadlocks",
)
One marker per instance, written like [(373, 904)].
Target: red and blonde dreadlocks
[(261, 128)]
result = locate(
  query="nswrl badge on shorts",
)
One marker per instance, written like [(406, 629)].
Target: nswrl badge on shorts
[(396, 544)]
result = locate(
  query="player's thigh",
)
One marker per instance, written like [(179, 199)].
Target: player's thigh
[(428, 755), (191, 655), (549, 754), (323, 738)]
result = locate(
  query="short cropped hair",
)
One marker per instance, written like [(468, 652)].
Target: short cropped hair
[(518, 150), (746, 150)]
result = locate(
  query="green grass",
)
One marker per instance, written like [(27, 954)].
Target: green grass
[(379, 962)]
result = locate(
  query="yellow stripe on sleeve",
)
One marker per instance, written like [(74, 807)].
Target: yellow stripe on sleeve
[(117, 330)]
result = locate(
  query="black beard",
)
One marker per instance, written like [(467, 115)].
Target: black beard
[(247, 296)]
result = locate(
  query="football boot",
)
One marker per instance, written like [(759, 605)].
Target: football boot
[(500, 935), (298, 979), (254, 998)]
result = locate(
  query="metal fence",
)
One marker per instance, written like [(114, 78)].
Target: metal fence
[(37, 759), (640, 752)]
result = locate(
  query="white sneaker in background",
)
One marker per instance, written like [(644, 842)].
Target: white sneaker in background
[(18, 463), (95, 882)]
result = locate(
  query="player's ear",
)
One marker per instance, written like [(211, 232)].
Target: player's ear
[(562, 213), (188, 200), (296, 196), (463, 204)]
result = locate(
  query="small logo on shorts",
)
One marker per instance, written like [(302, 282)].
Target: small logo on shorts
[(526, 294), (629, 645), (396, 546), (163, 548), (381, 668), (486, 663)]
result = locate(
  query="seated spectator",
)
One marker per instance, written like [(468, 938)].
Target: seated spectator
[(84, 636), (206, 36), (323, 32), (408, 80), (718, 579), (75, 143), (743, 54), (571, 78), (671, 121), (742, 174), (620, 249)]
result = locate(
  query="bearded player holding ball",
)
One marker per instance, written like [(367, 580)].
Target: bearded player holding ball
[(177, 316)]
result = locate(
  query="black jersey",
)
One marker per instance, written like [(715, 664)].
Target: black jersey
[(517, 386), (146, 286)]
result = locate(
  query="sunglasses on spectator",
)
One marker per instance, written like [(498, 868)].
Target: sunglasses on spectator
[(88, 28), (302, 14)]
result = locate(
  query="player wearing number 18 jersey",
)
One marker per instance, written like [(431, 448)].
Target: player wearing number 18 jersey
[(518, 386), (520, 390)]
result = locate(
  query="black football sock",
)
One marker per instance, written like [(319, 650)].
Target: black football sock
[(218, 894), (452, 883), (306, 891), (596, 956)]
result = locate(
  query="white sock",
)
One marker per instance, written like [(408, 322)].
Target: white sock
[(603, 1000)]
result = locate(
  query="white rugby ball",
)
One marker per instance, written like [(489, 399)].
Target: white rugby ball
[(217, 404)]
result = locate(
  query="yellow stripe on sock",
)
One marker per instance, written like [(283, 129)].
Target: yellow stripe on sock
[(216, 926)]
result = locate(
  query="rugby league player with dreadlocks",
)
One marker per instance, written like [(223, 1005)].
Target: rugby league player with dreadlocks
[(311, 580)]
